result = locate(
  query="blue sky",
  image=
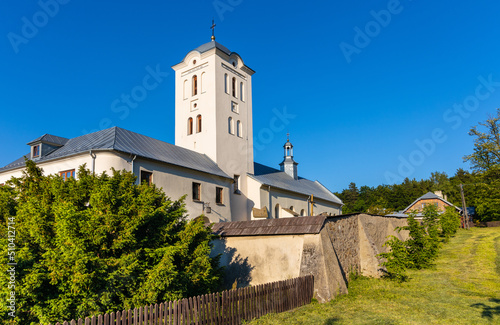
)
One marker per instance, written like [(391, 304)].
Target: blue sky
[(372, 92)]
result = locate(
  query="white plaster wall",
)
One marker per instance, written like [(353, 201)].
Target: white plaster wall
[(287, 199), (285, 252), (177, 181), (104, 162)]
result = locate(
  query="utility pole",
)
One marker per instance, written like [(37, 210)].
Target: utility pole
[(465, 215)]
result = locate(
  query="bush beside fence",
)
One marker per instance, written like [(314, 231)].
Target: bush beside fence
[(228, 307)]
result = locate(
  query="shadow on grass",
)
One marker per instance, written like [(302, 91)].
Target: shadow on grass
[(331, 321), (489, 311)]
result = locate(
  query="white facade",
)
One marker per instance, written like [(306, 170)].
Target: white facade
[(213, 118)]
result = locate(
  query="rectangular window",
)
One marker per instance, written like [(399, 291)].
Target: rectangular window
[(36, 151), (67, 174), (236, 184), (146, 177), (196, 191), (234, 107), (218, 195)]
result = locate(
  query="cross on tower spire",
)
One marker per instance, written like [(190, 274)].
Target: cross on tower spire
[(213, 30)]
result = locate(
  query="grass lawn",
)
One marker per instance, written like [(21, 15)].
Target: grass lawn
[(462, 288)]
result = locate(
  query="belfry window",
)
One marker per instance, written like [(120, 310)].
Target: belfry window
[(195, 85), (226, 83), (242, 90), (190, 126), (230, 126), (198, 124), (233, 87), (239, 129)]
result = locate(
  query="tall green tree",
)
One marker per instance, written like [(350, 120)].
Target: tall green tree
[(486, 144), (98, 244)]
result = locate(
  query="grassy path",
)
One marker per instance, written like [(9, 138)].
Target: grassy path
[(463, 288)]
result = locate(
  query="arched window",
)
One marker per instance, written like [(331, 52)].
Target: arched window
[(291, 208), (303, 212), (226, 83), (277, 211), (233, 87), (203, 85), (242, 90), (198, 123), (238, 129), (185, 90), (190, 126), (230, 126), (195, 85)]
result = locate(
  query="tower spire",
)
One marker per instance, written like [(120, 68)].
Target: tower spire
[(213, 30)]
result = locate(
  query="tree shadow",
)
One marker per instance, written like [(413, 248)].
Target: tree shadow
[(331, 321), (237, 270), (489, 311)]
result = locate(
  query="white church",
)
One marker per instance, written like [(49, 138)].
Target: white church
[(212, 159)]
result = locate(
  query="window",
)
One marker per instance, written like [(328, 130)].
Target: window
[(218, 195), (36, 151), (196, 191), (67, 174), (230, 126), (241, 91), (190, 126), (195, 85), (203, 85), (236, 185), (234, 107), (291, 208), (226, 82), (146, 177), (233, 87), (303, 212), (198, 124), (277, 211), (238, 129)]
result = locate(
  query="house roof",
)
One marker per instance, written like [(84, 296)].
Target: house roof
[(276, 178), (267, 227), (122, 140), (429, 196)]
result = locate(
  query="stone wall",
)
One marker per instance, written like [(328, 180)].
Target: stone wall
[(344, 244)]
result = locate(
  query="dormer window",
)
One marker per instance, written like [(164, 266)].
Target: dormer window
[(36, 151)]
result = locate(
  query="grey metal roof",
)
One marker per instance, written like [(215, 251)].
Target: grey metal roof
[(429, 196), (276, 178), (119, 139), (285, 226), (210, 45), (49, 138)]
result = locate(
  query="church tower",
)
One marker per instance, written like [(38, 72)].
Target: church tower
[(288, 165), (213, 111)]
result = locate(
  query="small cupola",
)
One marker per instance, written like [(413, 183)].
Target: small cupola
[(44, 145), (289, 166)]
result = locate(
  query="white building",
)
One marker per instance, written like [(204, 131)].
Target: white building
[(212, 159)]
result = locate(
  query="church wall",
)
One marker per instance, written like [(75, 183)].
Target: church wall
[(287, 199), (177, 181), (104, 161)]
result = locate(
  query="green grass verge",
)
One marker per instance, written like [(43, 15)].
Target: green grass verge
[(462, 288)]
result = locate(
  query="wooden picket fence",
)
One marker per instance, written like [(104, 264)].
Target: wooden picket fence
[(228, 307)]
